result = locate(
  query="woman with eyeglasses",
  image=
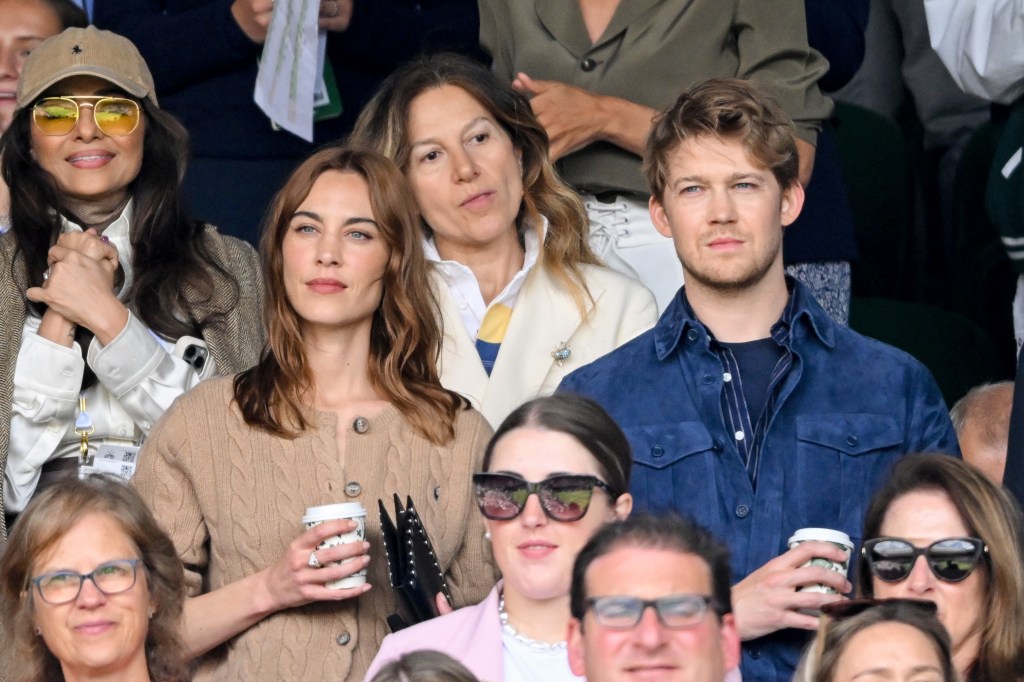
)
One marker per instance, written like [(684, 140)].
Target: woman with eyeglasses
[(939, 530), (524, 301), (896, 640), (555, 471), (92, 588), (113, 301)]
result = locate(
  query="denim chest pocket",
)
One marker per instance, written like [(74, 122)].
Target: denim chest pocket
[(841, 460), (674, 467)]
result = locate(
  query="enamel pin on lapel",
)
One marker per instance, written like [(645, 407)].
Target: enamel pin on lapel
[(561, 353)]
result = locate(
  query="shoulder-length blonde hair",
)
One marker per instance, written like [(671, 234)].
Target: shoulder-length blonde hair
[(43, 523), (989, 513), (384, 125), (405, 333)]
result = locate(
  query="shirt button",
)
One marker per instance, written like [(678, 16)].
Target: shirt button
[(692, 335), (66, 372), (726, 377), (352, 488), (657, 451), (716, 445), (852, 440), (122, 431), (708, 379), (588, 65), (742, 511), (343, 639), (463, 305), (361, 425), (739, 435), (755, 653)]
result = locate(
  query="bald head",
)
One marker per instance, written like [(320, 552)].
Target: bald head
[(982, 422)]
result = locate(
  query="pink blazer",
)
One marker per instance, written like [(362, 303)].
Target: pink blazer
[(471, 635)]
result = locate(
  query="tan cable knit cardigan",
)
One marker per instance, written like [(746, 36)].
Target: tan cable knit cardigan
[(232, 497)]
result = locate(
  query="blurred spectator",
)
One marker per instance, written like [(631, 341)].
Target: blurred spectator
[(982, 422), (204, 54)]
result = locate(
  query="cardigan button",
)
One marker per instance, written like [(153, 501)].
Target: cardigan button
[(352, 488), (588, 65), (361, 425), (343, 639)]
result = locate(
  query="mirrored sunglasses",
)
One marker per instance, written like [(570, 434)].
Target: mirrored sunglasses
[(674, 611), (114, 116), (950, 559), (563, 497)]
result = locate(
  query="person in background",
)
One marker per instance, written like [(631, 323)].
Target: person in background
[(23, 25), (523, 299), (940, 530), (597, 72), (775, 421), (205, 55), (424, 665), (650, 599), (114, 302), (92, 588), (982, 422), (898, 640), (344, 406), (554, 472)]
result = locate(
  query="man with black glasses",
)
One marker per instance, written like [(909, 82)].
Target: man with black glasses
[(650, 600)]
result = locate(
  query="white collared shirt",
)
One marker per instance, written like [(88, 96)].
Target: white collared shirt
[(465, 288)]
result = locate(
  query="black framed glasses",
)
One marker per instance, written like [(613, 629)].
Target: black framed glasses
[(114, 116), (676, 611), (563, 497), (112, 577), (950, 559)]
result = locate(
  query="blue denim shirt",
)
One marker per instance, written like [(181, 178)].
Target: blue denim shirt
[(849, 407)]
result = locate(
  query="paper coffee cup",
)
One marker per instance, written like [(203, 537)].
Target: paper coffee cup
[(332, 512), (837, 538)]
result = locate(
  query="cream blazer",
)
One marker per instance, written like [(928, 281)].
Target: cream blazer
[(545, 316)]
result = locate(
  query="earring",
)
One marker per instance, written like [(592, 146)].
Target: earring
[(38, 632), (487, 535), (151, 614)]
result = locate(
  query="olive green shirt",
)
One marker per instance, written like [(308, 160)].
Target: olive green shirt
[(652, 51)]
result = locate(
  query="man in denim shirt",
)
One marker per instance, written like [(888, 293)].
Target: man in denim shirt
[(748, 408)]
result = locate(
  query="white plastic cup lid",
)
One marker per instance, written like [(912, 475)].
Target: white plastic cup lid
[(837, 537), (330, 512)]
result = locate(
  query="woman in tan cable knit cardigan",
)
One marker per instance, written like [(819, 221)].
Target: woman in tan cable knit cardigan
[(344, 406)]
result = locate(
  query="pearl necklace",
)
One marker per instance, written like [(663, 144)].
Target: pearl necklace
[(533, 644)]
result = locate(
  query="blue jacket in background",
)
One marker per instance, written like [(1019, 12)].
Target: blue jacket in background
[(848, 409)]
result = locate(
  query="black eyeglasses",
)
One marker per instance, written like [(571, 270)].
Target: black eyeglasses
[(563, 497), (848, 608), (676, 611), (112, 577), (950, 559)]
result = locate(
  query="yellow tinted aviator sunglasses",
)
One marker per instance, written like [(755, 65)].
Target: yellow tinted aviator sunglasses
[(114, 116)]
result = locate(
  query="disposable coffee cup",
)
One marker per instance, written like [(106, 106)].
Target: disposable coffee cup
[(353, 511), (837, 538)]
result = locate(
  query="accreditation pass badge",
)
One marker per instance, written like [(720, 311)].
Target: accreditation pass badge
[(119, 460)]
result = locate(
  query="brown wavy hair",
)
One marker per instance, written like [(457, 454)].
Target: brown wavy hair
[(989, 513), (384, 125), (405, 334), (43, 523)]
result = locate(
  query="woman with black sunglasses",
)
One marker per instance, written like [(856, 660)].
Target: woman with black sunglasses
[(555, 471), (113, 302), (939, 530)]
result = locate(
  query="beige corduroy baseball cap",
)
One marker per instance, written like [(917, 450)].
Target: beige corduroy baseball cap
[(85, 52)]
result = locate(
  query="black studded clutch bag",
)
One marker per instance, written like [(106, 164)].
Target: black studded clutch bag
[(416, 576)]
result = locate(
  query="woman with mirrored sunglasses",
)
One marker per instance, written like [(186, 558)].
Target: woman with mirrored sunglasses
[(939, 530), (92, 587), (113, 301), (555, 471)]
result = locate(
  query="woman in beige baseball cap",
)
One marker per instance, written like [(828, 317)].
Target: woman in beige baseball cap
[(113, 301)]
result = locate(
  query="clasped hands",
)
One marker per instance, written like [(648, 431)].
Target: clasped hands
[(80, 284)]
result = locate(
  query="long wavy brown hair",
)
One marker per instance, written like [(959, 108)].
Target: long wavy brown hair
[(384, 125), (405, 334)]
